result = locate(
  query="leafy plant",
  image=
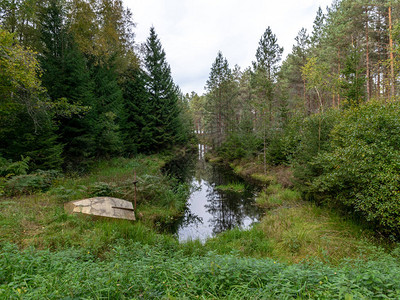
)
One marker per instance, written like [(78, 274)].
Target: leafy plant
[(9, 168), (109, 189), (362, 165), (30, 183)]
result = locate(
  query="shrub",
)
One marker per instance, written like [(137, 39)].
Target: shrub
[(361, 167), (24, 184), (9, 168), (314, 133), (239, 145), (109, 189), (284, 142)]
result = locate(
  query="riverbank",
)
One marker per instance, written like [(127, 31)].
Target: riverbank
[(39, 219), (46, 253), (293, 230)]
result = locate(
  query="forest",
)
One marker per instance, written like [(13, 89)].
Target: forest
[(329, 110), (83, 105)]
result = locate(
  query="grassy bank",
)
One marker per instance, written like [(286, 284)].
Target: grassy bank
[(293, 230), (297, 250), (39, 220)]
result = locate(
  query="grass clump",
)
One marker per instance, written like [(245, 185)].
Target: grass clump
[(264, 178), (305, 231), (252, 242), (267, 201), (274, 196), (232, 187)]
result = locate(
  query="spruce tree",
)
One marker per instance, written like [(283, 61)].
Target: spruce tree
[(164, 125), (135, 118), (66, 76), (108, 109)]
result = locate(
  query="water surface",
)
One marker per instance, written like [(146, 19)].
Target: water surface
[(209, 210)]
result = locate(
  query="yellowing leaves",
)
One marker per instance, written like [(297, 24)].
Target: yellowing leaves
[(19, 68)]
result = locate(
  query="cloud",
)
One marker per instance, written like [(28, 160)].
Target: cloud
[(193, 31)]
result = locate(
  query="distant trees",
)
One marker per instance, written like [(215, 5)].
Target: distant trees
[(240, 104), (350, 57), (265, 67), (219, 101), (329, 111)]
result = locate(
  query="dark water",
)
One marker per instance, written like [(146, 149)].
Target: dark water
[(210, 211)]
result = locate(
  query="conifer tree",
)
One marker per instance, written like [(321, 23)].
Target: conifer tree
[(108, 109), (164, 126), (136, 111), (219, 100), (66, 76), (268, 55)]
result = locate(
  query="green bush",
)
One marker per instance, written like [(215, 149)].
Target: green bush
[(240, 145), (314, 137), (109, 189), (9, 168), (361, 166), (29, 183), (284, 142)]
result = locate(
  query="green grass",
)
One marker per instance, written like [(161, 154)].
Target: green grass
[(232, 187), (133, 270), (252, 243), (298, 250), (274, 196), (264, 178), (39, 220), (268, 201), (306, 231)]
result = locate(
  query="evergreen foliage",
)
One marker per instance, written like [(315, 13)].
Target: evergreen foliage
[(136, 112), (108, 109), (164, 126), (66, 76), (219, 101)]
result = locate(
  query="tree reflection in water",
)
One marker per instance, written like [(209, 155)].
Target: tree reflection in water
[(211, 211)]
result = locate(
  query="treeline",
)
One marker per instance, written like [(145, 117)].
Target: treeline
[(330, 110), (74, 88)]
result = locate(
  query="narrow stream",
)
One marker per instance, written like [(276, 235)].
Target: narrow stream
[(210, 210)]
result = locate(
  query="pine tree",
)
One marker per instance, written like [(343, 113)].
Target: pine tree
[(268, 55), (164, 126), (219, 100)]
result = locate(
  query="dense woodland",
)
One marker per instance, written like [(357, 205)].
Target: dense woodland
[(75, 87), (330, 110)]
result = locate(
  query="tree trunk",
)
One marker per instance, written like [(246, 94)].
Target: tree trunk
[(339, 71), (392, 78), (367, 57)]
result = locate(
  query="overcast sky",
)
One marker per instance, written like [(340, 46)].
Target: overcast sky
[(193, 31)]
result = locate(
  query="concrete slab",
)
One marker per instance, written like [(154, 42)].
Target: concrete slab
[(102, 206)]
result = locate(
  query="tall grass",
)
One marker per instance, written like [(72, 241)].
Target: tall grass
[(133, 270)]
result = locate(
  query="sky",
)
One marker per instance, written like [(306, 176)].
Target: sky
[(193, 31)]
